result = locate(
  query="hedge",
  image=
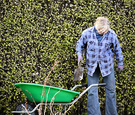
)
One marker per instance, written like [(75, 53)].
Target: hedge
[(36, 33)]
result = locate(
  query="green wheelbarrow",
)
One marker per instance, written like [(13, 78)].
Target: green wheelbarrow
[(45, 95)]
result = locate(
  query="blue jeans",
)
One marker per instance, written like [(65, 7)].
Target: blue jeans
[(93, 107)]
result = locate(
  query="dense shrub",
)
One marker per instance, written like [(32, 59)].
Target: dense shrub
[(36, 33)]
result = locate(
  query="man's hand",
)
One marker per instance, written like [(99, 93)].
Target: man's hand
[(120, 67), (80, 58)]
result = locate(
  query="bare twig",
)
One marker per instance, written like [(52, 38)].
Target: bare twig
[(46, 101), (26, 106), (50, 71), (60, 109), (43, 92), (52, 101), (31, 97), (72, 105)]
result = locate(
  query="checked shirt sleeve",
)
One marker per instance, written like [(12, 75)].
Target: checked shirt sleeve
[(81, 44), (117, 50)]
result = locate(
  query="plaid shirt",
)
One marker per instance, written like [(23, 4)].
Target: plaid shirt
[(102, 54)]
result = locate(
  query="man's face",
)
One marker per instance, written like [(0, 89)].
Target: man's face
[(102, 30)]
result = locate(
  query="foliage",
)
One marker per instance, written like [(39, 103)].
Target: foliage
[(36, 33)]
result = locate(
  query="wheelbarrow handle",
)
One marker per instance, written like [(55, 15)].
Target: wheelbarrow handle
[(93, 85), (102, 84), (84, 85)]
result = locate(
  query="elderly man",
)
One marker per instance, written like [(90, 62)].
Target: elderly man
[(101, 43)]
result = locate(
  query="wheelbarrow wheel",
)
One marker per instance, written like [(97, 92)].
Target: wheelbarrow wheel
[(22, 106)]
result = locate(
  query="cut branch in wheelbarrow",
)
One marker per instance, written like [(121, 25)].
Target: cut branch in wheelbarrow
[(43, 92)]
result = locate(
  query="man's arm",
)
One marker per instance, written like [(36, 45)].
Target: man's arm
[(81, 44), (118, 52)]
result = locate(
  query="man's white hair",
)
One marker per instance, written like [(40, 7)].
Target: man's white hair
[(102, 24)]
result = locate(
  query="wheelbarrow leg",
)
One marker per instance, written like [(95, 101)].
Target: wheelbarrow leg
[(65, 109)]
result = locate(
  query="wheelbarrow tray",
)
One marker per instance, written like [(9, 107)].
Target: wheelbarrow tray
[(44, 93)]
